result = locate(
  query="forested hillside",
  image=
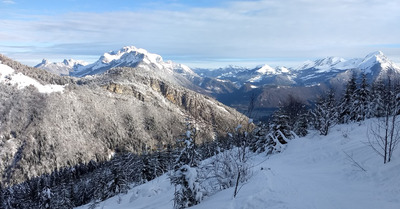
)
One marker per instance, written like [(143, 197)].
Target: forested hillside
[(44, 129)]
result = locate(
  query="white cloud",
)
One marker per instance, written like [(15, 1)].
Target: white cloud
[(242, 30), (8, 2)]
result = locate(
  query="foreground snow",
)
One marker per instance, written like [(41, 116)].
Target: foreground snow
[(312, 172)]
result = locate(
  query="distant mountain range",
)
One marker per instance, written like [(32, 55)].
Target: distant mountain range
[(233, 85), (376, 65)]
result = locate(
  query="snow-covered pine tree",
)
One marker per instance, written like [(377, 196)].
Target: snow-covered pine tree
[(2, 197), (118, 183), (148, 172), (259, 138), (100, 189), (296, 111), (5, 198), (301, 125), (363, 101), (263, 140), (325, 114), (62, 196), (346, 106), (184, 177), (280, 127), (377, 98), (45, 197)]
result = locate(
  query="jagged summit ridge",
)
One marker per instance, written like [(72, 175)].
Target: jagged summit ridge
[(61, 68), (128, 55), (131, 56)]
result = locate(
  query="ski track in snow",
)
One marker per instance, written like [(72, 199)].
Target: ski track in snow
[(311, 173)]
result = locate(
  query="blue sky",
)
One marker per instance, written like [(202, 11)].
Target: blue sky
[(200, 33)]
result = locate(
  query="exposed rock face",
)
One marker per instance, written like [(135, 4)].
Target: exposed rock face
[(125, 109)]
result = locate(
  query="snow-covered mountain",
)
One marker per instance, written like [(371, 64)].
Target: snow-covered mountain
[(272, 85), (258, 76), (213, 73), (118, 111), (376, 65), (61, 68), (234, 83), (131, 56)]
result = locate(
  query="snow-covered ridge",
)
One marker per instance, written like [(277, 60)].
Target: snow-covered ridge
[(61, 68), (8, 76), (336, 63), (130, 56)]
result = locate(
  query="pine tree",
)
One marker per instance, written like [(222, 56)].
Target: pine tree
[(301, 125), (184, 176), (2, 197), (280, 127), (118, 183), (347, 103), (377, 99), (363, 104), (6, 196), (325, 114), (259, 140), (188, 155), (148, 172)]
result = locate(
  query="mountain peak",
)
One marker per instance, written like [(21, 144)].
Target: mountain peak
[(44, 62), (375, 58), (375, 54), (266, 69), (130, 54)]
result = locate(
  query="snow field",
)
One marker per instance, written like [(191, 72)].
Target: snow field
[(313, 172)]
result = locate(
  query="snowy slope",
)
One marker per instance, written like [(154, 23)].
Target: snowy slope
[(312, 172), (8, 76)]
